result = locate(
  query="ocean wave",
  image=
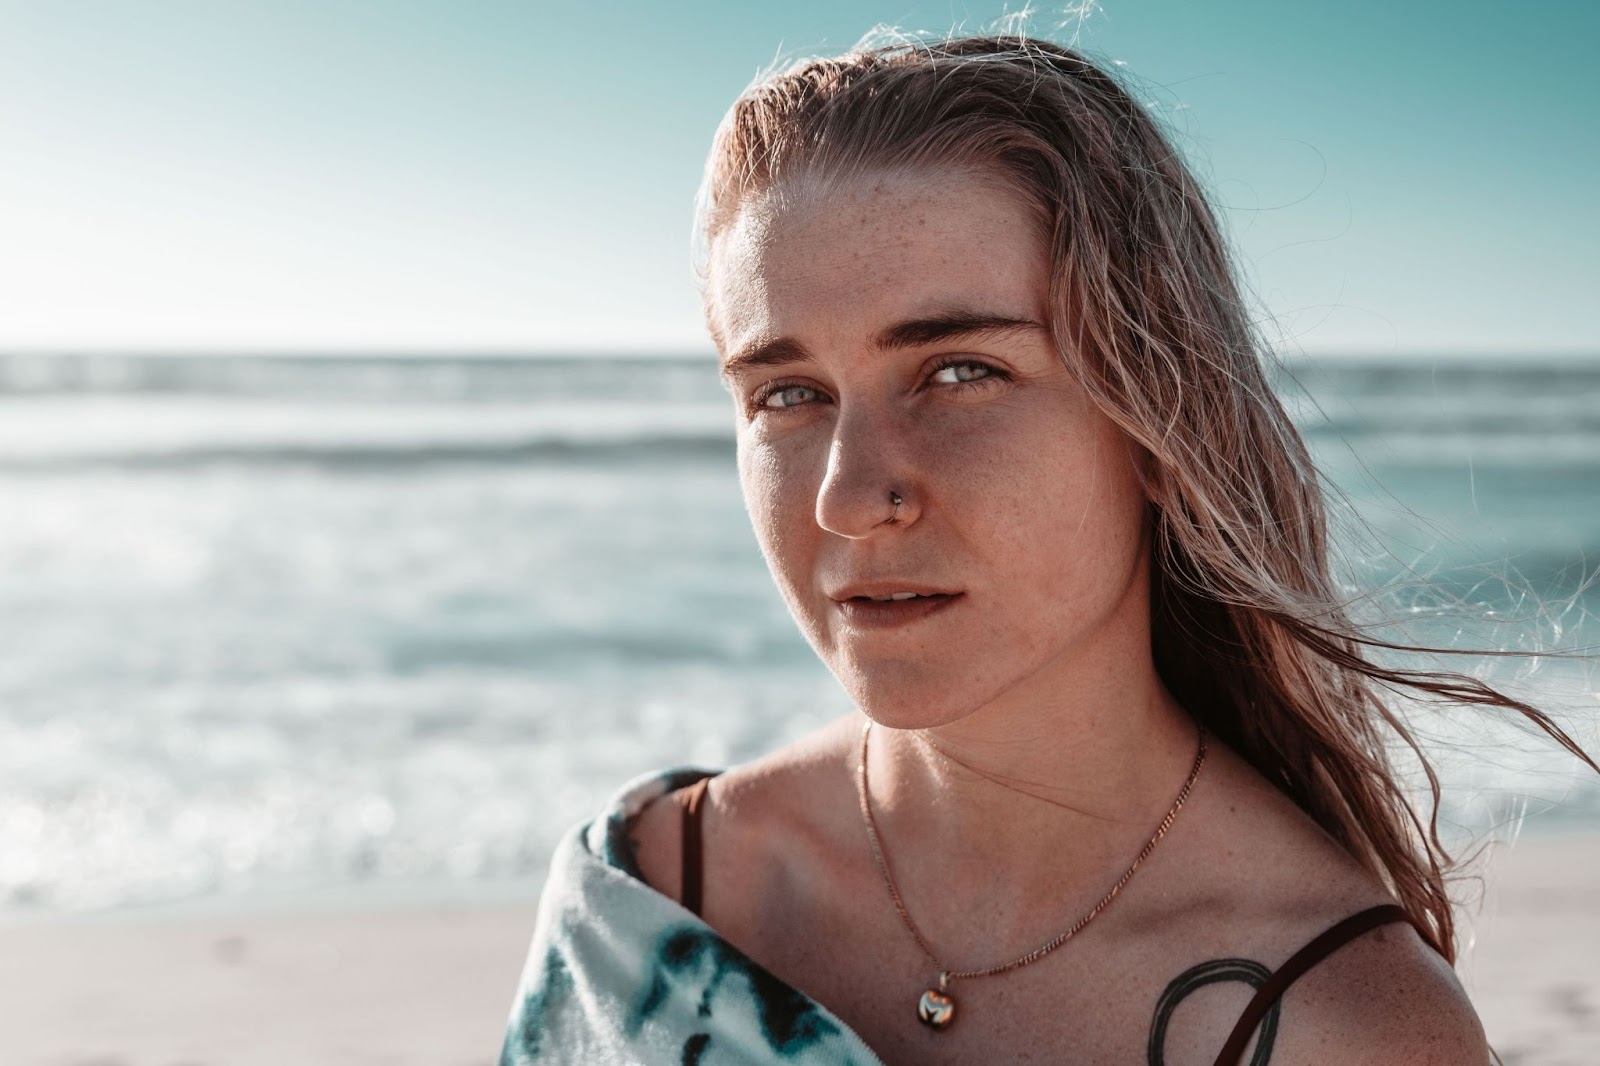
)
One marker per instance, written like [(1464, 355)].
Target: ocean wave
[(1581, 415), (394, 455), (1501, 376), (1531, 450), (469, 379)]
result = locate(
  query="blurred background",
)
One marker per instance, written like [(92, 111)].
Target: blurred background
[(367, 504)]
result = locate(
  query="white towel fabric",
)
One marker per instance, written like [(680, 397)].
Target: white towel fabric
[(619, 973)]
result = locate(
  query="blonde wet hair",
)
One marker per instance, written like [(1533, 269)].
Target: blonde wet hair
[(1250, 631)]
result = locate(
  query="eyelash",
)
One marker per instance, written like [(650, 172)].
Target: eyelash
[(992, 375)]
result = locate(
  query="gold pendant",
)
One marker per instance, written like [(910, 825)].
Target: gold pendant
[(937, 1009)]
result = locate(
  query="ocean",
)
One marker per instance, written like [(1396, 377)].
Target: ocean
[(291, 624)]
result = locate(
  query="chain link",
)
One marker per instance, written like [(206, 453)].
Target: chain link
[(1050, 945)]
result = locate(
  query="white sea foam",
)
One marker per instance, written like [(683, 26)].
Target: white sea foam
[(400, 623)]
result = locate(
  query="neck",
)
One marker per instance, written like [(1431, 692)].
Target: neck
[(1030, 805)]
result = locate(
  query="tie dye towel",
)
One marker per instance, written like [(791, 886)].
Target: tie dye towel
[(619, 973)]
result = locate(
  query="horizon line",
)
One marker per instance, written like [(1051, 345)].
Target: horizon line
[(668, 353)]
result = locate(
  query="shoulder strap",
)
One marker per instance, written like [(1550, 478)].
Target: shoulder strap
[(1301, 961), (693, 797)]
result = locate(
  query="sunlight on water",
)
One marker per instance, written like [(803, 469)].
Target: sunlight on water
[(290, 624)]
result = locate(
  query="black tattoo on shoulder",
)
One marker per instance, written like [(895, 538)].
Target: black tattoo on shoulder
[(1251, 973)]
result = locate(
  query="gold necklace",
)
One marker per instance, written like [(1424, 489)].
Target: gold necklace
[(937, 1008)]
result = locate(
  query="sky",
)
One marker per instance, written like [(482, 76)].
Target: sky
[(332, 175)]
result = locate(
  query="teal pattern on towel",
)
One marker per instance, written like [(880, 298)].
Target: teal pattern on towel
[(619, 973)]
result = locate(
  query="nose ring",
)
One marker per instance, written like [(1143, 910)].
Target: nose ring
[(894, 516)]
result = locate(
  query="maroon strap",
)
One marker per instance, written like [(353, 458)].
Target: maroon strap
[(1301, 961), (692, 798)]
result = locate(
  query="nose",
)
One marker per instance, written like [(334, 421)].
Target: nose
[(865, 474)]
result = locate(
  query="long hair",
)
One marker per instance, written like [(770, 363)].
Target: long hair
[(1249, 629)]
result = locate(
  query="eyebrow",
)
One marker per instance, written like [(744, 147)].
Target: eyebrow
[(912, 333)]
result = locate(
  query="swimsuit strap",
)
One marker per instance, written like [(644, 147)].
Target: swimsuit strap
[(1301, 961), (692, 799)]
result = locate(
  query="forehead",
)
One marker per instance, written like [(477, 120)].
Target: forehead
[(837, 263)]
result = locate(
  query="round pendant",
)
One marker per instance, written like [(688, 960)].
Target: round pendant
[(936, 1009)]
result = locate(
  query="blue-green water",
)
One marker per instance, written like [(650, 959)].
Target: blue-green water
[(302, 623)]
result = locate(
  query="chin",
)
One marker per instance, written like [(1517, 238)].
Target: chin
[(902, 695)]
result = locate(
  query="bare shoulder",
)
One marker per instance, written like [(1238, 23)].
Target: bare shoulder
[(745, 809), (782, 782), (1267, 880), (1385, 998), (657, 833)]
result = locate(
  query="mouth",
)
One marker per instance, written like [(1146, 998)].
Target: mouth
[(889, 609), (900, 597)]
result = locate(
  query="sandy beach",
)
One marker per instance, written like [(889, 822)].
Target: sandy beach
[(1533, 968), (412, 985)]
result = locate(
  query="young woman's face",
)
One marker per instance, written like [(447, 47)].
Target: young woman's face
[(890, 337)]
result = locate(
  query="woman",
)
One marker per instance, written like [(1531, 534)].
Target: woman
[(1117, 788)]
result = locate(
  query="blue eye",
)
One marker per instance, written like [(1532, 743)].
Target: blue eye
[(786, 396), (962, 372)]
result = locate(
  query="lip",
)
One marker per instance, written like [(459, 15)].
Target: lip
[(865, 613), (887, 588)]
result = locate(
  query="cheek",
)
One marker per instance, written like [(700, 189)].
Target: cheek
[(780, 499), (1098, 534), (1068, 514), (1012, 468)]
